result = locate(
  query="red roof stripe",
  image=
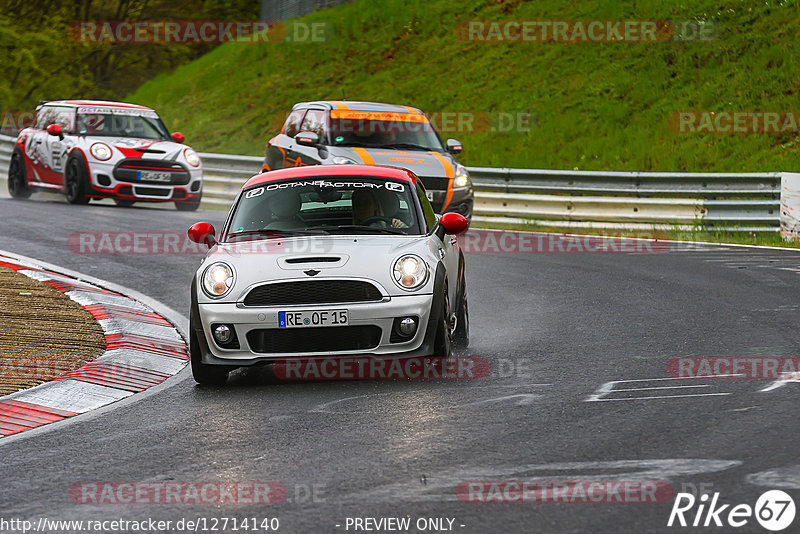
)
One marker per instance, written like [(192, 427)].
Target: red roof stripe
[(333, 171)]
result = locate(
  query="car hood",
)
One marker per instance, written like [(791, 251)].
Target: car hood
[(364, 256), (153, 149), (421, 163)]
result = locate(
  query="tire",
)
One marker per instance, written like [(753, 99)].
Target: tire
[(461, 335), (17, 178), (208, 375), (76, 181), (443, 344), (188, 206), (124, 202)]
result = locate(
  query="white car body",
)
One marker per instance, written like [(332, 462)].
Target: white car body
[(320, 267), (124, 166)]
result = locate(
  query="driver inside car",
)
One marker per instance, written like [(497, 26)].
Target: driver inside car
[(91, 124), (366, 206)]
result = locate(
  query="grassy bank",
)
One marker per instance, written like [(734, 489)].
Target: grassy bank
[(595, 105)]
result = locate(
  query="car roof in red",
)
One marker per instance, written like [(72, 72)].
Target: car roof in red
[(358, 105), (318, 171), (95, 103)]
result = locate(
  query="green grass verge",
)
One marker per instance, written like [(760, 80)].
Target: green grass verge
[(597, 106), (697, 234)]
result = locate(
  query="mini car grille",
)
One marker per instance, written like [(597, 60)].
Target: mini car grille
[(127, 170), (324, 339), (312, 292), (152, 192)]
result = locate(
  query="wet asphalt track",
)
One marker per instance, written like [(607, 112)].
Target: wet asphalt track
[(555, 327)]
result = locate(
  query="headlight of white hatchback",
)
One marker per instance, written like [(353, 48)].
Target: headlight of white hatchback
[(218, 280), (101, 151), (191, 157), (410, 272)]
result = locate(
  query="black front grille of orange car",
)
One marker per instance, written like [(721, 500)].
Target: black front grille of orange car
[(435, 183), (312, 292), (323, 339), (438, 186), (127, 170)]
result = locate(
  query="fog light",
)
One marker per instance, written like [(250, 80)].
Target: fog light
[(403, 329), (408, 326), (223, 334)]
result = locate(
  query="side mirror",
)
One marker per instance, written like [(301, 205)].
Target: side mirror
[(307, 139), (178, 137), (454, 223), (203, 233), (55, 130), (454, 146)]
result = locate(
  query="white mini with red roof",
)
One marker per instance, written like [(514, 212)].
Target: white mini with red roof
[(328, 262), (91, 149)]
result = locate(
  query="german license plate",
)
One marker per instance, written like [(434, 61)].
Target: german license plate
[(155, 176), (305, 319), (429, 194)]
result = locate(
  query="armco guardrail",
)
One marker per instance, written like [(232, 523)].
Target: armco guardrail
[(581, 198), (6, 145), (567, 199)]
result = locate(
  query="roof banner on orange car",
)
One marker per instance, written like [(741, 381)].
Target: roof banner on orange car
[(378, 116)]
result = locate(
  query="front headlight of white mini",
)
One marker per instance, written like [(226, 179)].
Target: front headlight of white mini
[(101, 151), (218, 280), (462, 177), (410, 271), (191, 157)]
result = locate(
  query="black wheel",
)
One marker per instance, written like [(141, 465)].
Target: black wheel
[(443, 345), (461, 335), (188, 206), (211, 375), (17, 180), (124, 203), (76, 181)]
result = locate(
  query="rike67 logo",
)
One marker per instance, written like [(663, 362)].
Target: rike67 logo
[(774, 511)]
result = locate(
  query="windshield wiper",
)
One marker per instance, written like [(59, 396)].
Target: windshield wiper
[(375, 229), (356, 143), (279, 233), (410, 146)]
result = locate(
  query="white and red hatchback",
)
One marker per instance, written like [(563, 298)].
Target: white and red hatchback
[(95, 149)]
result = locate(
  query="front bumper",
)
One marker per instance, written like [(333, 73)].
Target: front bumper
[(104, 184), (378, 314)]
